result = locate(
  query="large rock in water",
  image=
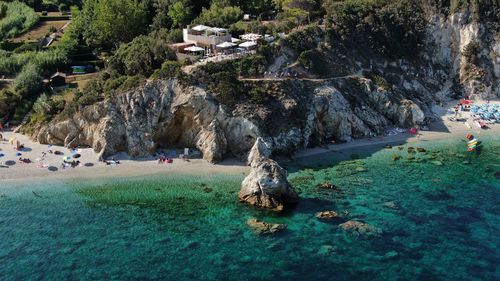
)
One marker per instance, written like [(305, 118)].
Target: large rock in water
[(266, 186)]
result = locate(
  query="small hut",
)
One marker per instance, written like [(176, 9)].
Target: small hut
[(58, 79)]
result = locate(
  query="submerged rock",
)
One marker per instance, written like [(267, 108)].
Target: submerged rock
[(421, 149), (358, 228), (391, 254), (266, 186), (325, 250), (497, 174), (437, 163), (264, 228), (327, 185), (391, 205), (329, 215)]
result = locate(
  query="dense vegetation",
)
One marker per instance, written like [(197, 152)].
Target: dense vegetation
[(131, 38), (15, 18)]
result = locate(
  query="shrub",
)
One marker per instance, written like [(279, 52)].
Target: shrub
[(112, 84), (305, 39), (29, 81), (390, 28), (169, 69), (141, 56), (252, 65), (8, 102), (17, 18), (312, 60), (257, 95), (221, 13)]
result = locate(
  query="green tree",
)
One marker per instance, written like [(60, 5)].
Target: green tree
[(179, 13), (8, 102), (299, 9), (111, 22), (29, 81), (142, 56), (220, 14)]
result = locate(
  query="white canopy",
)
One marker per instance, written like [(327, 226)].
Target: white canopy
[(225, 45), (235, 40), (251, 36), (194, 49), (216, 29), (200, 27), (248, 44)]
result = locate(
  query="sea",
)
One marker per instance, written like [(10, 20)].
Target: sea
[(434, 205)]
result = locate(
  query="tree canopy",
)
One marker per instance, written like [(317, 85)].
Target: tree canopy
[(111, 22)]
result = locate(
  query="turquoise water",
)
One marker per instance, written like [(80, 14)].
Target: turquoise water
[(446, 225)]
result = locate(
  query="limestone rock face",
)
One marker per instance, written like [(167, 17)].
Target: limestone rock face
[(212, 142), (168, 114), (266, 186)]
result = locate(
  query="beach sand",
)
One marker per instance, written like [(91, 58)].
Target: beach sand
[(92, 168)]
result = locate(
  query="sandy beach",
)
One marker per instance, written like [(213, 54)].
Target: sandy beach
[(42, 159)]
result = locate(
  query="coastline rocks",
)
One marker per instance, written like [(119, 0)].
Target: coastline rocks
[(327, 185), (358, 228), (329, 216), (264, 228), (266, 186), (260, 151)]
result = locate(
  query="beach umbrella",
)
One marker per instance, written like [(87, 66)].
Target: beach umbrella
[(10, 163), (226, 45), (194, 49), (76, 155), (247, 45)]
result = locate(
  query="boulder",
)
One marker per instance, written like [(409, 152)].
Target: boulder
[(264, 228), (327, 185), (358, 228), (266, 186), (329, 216)]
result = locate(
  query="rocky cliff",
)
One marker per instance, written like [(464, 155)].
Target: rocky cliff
[(360, 95), (166, 114)]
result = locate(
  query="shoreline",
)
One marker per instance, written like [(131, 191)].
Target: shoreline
[(22, 173)]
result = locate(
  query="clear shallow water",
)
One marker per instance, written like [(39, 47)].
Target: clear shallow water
[(447, 226)]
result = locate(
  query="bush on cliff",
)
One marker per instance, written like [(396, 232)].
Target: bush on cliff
[(141, 56), (8, 102), (391, 28)]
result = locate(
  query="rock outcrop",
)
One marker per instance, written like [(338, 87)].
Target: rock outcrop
[(264, 228), (329, 216), (266, 186), (166, 114), (357, 228)]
